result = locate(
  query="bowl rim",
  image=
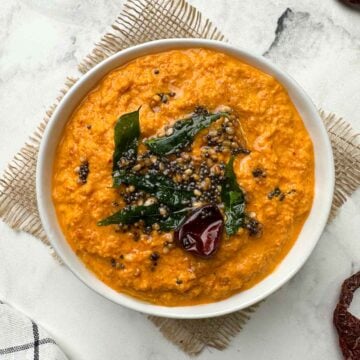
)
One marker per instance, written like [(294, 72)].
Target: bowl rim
[(59, 243)]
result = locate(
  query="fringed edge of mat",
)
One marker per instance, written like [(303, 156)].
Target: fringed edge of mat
[(119, 37), (227, 327), (346, 148), (18, 216)]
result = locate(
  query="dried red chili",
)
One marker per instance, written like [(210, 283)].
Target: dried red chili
[(347, 325), (200, 232), (354, 3)]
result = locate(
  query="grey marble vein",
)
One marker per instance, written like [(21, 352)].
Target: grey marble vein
[(322, 56)]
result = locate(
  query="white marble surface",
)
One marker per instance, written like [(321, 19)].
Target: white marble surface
[(41, 42)]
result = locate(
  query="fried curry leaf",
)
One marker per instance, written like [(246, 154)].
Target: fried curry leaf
[(126, 138), (183, 133), (234, 201), (174, 219), (149, 214), (162, 187)]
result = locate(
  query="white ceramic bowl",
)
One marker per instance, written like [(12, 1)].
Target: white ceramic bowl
[(324, 183)]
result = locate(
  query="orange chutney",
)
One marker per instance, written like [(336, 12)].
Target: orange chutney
[(274, 133)]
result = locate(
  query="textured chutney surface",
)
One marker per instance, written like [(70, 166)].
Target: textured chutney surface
[(281, 158)]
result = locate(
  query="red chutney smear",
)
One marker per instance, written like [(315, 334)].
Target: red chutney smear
[(347, 325)]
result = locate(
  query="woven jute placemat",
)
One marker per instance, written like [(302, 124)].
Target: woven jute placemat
[(141, 21)]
